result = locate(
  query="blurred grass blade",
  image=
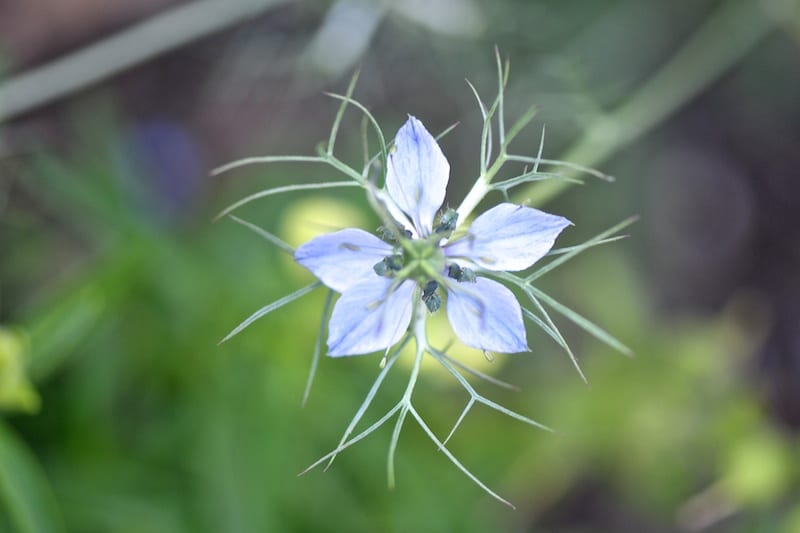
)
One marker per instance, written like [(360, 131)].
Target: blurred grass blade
[(584, 323), (24, 489), (58, 329)]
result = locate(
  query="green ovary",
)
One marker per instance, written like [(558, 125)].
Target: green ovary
[(423, 260)]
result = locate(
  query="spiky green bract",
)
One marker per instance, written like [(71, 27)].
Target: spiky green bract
[(495, 154)]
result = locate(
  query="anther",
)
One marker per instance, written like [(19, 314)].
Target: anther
[(432, 300), (447, 222), (460, 274)]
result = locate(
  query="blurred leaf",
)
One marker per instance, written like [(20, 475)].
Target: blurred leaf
[(16, 390), (344, 36), (24, 490), (57, 331)]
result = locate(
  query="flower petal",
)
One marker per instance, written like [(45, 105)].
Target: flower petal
[(508, 237), (342, 258), (487, 316), (366, 320), (417, 174)]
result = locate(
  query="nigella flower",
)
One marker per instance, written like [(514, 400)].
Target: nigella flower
[(426, 258), (384, 281)]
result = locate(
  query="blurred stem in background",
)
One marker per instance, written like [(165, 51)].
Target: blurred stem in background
[(706, 56), (703, 59), (142, 42)]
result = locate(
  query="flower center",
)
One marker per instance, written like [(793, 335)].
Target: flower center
[(416, 259), (422, 260)]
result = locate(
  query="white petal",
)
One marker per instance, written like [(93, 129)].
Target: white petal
[(417, 174), (508, 237), (365, 319), (487, 316), (342, 258)]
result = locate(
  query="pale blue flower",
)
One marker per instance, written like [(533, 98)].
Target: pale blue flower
[(380, 281)]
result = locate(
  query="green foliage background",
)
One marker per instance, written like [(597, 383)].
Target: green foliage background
[(122, 414)]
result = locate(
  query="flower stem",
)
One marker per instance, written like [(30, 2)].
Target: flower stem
[(472, 199), (481, 188), (418, 328)]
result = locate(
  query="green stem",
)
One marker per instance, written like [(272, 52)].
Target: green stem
[(481, 188), (723, 40), (419, 322)]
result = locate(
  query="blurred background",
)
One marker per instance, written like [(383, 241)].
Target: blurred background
[(121, 414)]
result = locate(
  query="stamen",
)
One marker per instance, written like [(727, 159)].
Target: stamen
[(432, 300), (394, 262), (387, 266), (461, 274), (429, 289), (447, 222), (454, 271), (389, 236), (381, 269)]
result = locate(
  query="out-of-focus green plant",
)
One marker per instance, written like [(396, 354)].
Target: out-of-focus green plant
[(16, 391), (27, 504), (147, 426)]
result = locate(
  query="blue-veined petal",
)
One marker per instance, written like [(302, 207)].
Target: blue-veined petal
[(366, 319), (508, 237), (487, 316), (417, 174), (342, 258)]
